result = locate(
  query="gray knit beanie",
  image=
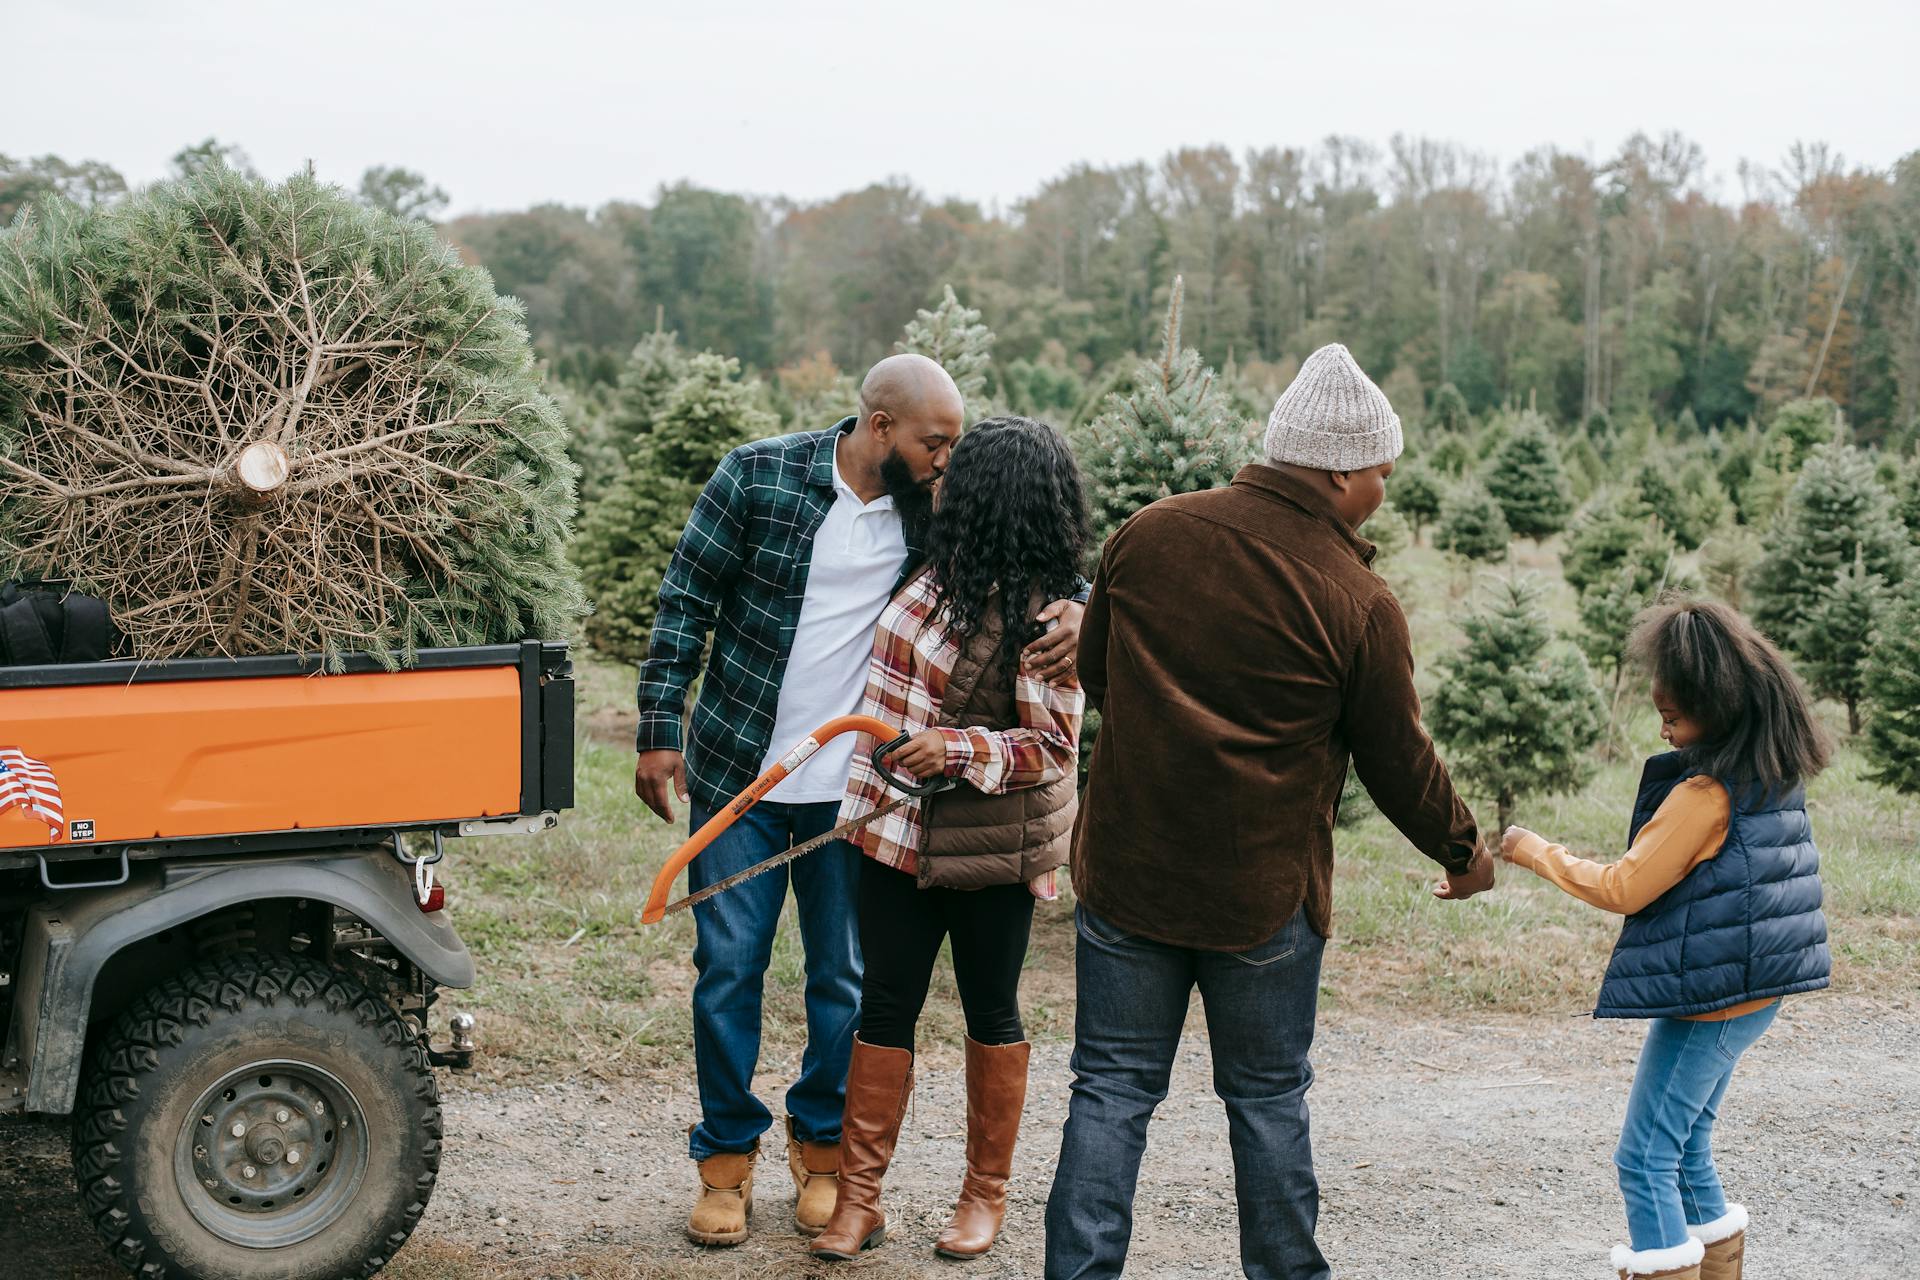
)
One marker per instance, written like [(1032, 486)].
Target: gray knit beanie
[(1333, 417)]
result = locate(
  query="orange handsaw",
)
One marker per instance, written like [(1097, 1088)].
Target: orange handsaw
[(658, 908)]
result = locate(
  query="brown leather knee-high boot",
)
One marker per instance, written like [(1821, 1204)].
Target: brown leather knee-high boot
[(996, 1095), (878, 1082)]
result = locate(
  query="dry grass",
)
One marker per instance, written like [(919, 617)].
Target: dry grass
[(571, 983)]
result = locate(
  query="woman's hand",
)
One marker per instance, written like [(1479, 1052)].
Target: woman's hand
[(1511, 841), (1045, 886), (924, 756), (1052, 656)]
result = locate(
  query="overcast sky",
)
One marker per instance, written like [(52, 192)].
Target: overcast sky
[(505, 105)]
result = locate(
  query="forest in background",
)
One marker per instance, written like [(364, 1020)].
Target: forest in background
[(1626, 284)]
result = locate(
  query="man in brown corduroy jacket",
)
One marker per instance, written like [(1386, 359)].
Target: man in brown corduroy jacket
[(1241, 649)]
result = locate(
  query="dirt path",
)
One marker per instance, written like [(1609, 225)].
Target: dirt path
[(1445, 1150)]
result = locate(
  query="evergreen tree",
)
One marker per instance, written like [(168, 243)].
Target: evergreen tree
[(1703, 505), (628, 536), (1608, 607), (1516, 711), (1604, 535), (1529, 483), (1607, 611), (1472, 525), (1449, 410), (706, 416), (1891, 683), (1907, 497), (952, 336), (1801, 426), (1585, 467), (1836, 511), (1599, 429), (1835, 637), (653, 369), (1418, 493), (607, 427), (1172, 431), (1728, 559), (1452, 456), (1389, 531)]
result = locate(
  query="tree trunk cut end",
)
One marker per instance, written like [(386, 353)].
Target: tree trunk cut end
[(260, 472)]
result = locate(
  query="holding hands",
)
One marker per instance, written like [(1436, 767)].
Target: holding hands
[(1477, 878)]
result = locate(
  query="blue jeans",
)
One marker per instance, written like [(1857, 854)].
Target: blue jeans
[(1665, 1157), (734, 943), (1133, 997)]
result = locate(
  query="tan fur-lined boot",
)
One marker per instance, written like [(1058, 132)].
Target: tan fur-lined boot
[(1725, 1239), (878, 1083), (996, 1095), (1681, 1262), (726, 1198), (815, 1167)]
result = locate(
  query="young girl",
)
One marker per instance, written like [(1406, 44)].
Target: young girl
[(967, 864), (1721, 890)]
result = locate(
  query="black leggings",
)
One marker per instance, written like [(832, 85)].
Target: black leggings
[(901, 926)]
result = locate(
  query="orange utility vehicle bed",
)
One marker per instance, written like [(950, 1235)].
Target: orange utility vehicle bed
[(231, 755)]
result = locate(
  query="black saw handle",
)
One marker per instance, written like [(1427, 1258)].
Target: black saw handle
[(933, 786)]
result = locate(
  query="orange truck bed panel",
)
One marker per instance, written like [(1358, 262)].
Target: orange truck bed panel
[(176, 759)]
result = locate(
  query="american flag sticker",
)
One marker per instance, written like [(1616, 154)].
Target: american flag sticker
[(28, 785)]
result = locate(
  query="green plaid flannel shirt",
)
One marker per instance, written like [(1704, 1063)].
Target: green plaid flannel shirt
[(739, 572)]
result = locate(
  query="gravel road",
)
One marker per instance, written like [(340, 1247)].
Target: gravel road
[(1445, 1150)]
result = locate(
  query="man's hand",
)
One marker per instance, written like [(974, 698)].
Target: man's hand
[(658, 776), (924, 756), (1052, 656), (1477, 878)]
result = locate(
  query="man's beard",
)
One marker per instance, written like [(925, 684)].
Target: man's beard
[(912, 498)]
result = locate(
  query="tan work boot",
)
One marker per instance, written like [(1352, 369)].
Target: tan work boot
[(1681, 1262), (878, 1082), (996, 1095), (1726, 1241), (816, 1181), (726, 1198)]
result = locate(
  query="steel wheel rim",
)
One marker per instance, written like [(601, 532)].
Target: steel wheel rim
[(293, 1167)]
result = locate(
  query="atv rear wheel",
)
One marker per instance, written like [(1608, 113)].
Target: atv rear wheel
[(257, 1111)]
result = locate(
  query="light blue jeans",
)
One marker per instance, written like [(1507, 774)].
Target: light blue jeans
[(1665, 1158)]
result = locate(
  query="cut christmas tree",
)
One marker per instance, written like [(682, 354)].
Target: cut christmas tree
[(264, 419)]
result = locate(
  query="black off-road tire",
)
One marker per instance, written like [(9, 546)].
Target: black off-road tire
[(152, 1072)]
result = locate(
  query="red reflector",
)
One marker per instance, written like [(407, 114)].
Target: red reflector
[(436, 899)]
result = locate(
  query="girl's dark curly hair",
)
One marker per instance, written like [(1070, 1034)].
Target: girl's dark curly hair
[(1011, 515), (1756, 720)]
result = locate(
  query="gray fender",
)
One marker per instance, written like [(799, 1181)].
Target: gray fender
[(70, 938)]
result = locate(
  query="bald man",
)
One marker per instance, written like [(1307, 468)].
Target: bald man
[(792, 551)]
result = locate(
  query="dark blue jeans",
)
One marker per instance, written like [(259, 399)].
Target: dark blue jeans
[(1133, 997), (734, 932)]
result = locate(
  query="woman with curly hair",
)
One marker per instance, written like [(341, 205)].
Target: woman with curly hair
[(1009, 529)]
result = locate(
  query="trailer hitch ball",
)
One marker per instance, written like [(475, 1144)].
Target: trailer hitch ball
[(461, 1025)]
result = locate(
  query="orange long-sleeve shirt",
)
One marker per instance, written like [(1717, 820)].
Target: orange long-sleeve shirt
[(1686, 830)]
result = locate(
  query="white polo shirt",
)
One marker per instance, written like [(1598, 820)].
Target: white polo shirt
[(857, 557)]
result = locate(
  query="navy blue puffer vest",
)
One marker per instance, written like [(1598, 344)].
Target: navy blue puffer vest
[(1745, 925)]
